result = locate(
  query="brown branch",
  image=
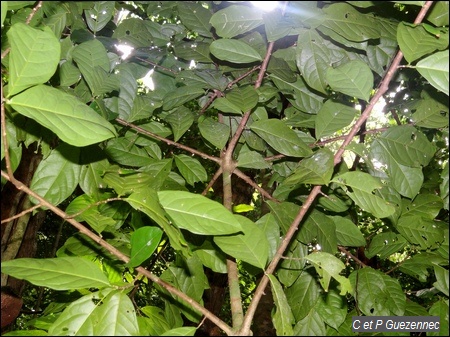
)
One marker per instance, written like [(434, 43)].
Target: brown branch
[(353, 257), (212, 181), (31, 209), (156, 65), (113, 250), (33, 12), (168, 141), (316, 189), (249, 181)]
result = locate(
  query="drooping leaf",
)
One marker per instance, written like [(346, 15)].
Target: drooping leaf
[(34, 56), (124, 152), (303, 295), (353, 78), (234, 51), (435, 70), (316, 169), (283, 319), (57, 176), (74, 122), (191, 169), (311, 325), (327, 266), (251, 247), (332, 117), (281, 137), (144, 242), (62, 273), (180, 120), (235, 20), (347, 233), (198, 214)]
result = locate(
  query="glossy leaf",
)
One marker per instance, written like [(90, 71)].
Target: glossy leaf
[(425, 205), (363, 185), (332, 117), (418, 230), (143, 201), (115, 317), (183, 331), (34, 56), (124, 152), (234, 51), (212, 257), (313, 59), (281, 137), (419, 265), (327, 266), (180, 96), (441, 279), (74, 122), (57, 175), (353, 78), (415, 42), (195, 17), (144, 242), (62, 273), (385, 244), (99, 15), (303, 295), (350, 23), (198, 214), (283, 319), (347, 233), (214, 132), (191, 169), (316, 170), (180, 120), (251, 247), (235, 20), (333, 309), (435, 70)]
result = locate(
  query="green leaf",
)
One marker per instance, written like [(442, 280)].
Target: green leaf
[(251, 247), (282, 138), (4, 9), (115, 316), (124, 152), (90, 213), (234, 51), (303, 295), (62, 273), (347, 233), (74, 122), (350, 23), (441, 279), (332, 117), (180, 120), (191, 169), (144, 242), (140, 33), (313, 59), (435, 70), (212, 257), (195, 17), (420, 231), (333, 309), (414, 41), (426, 205), (311, 325), (385, 244), (283, 319), (245, 98), (235, 20), (418, 265), (57, 176), (353, 78), (440, 308), (146, 200), (438, 15), (327, 266), (183, 331), (429, 112), (316, 170), (155, 323), (99, 15), (396, 299), (181, 95), (214, 132), (92, 60), (370, 291), (252, 159), (33, 58), (362, 185), (444, 186), (198, 214)]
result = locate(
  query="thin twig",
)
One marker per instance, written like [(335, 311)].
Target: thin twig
[(31, 209)]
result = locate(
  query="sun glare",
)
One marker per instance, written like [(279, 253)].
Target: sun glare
[(266, 6)]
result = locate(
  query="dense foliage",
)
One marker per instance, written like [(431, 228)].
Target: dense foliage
[(300, 153)]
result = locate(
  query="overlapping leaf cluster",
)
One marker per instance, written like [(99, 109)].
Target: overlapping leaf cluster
[(152, 150)]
